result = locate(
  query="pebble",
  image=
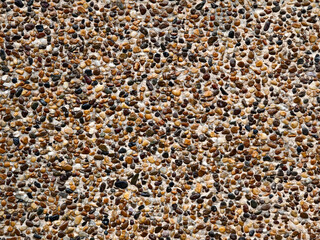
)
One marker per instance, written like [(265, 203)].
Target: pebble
[(19, 3), (121, 184), (78, 219)]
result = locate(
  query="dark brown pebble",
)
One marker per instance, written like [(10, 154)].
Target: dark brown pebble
[(236, 111), (134, 179), (61, 234), (221, 104), (257, 177), (158, 229), (265, 207), (164, 25), (102, 186), (304, 215), (232, 62), (29, 26), (143, 10), (64, 226), (78, 114), (211, 40), (98, 157), (24, 167), (266, 26), (8, 117), (194, 196), (124, 225), (29, 223)]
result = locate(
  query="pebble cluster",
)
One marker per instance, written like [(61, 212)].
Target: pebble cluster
[(159, 119)]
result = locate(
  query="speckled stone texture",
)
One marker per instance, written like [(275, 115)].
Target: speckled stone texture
[(159, 119)]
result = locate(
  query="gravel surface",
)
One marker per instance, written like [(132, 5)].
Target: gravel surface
[(159, 119)]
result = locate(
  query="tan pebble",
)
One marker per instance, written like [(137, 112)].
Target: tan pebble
[(151, 159), (148, 116), (19, 71), (99, 88), (198, 188), (294, 213), (259, 63), (24, 139), (6, 164), (81, 9), (312, 38), (208, 93), (34, 206), (126, 195), (177, 123), (194, 70), (68, 130), (294, 124), (136, 49), (176, 92), (28, 69), (255, 191), (263, 136), (78, 219), (67, 167), (222, 229)]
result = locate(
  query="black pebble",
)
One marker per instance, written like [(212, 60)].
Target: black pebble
[(18, 3), (231, 34), (86, 106), (88, 72), (276, 9), (121, 184), (69, 190), (231, 196), (34, 105), (122, 150), (40, 211), (55, 77), (266, 158), (39, 28), (305, 131), (253, 204), (300, 61), (214, 209), (54, 218), (200, 6), (2, 54), (145, 194), (30, 2), (16, 141), (19, 91), (43, 102), (37, 236), (78, 91)]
